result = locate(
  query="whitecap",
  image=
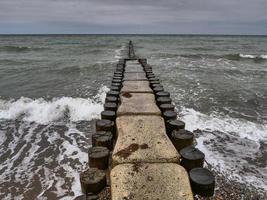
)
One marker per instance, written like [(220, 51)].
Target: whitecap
[(246, 56), (119, 53), (232, 146), (44, 112), (215, 122), (252, 56)]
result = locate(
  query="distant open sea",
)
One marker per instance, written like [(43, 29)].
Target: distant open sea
[(53, 86)]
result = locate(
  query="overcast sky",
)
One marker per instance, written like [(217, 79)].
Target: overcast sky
[(134, 16)]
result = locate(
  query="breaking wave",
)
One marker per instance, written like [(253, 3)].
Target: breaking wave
[(227, 56), (253, 56), (121, 52), (246, 56), (214, 122), (233, 146), (44, 145), (43, 112)]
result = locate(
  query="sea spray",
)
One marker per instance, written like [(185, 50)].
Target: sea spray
[(223, 140), (43, 148), (216, 122), (46, 111)]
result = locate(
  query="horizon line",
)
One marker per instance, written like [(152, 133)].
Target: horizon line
[(133, 34)]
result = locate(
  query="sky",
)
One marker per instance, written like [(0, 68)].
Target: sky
[(133, 17)]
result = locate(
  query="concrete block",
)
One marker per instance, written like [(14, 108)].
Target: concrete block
[(134, 68), (138, 104), (136, 86), (132, 76), (132, 62), (142, 138), (163, 181)]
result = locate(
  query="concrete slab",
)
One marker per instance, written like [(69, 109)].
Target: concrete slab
[(138, 104), (162, 181), (130, 62), (136, 86), (131, 76), (134, 68), (134, 65), (142, 138)]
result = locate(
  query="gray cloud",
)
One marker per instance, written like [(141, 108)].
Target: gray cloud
[(139, 16)]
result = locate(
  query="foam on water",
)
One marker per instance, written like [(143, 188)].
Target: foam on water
[(232, 146), (214, 122), (252, 56), (46, 159), (43, 112), (43, 152), (246, 56), (119, 53)]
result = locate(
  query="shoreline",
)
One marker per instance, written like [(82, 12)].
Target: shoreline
[(234, 190)]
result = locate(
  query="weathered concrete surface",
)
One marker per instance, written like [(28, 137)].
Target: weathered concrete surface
[(134, 68), (162, 181), (136, 86), (132, 76), (138, 104), (146, 163), (142, 138), (132, 62)]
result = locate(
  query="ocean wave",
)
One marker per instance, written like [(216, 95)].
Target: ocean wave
[(256, 58), (198, 56), (120, 53), (44, 112), (214, 122), (253, 56), (44, 149), (226, 56), (246, 56), (19, 48), (234, 147)]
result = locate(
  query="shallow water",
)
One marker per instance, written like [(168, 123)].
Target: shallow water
[(52, 87)]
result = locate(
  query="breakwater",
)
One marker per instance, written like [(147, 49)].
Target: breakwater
[(140, 149)]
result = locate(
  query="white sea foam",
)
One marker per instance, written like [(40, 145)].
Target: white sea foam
[(119, 53), (228, 143), (2, 137), (44, 112), (245, 129), (252, 56), (246, 56), (68, 151), (69, 155), (263, 56)]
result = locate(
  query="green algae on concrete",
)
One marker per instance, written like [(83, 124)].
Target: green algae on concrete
[(138, 104), (136, 86), (142, 138), (150, 181)]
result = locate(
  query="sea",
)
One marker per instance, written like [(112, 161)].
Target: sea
[(52, 88)]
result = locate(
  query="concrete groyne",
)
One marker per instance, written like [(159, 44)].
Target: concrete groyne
[(140, 149)]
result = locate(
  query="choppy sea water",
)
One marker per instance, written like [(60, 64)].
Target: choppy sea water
[(52, 87)]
